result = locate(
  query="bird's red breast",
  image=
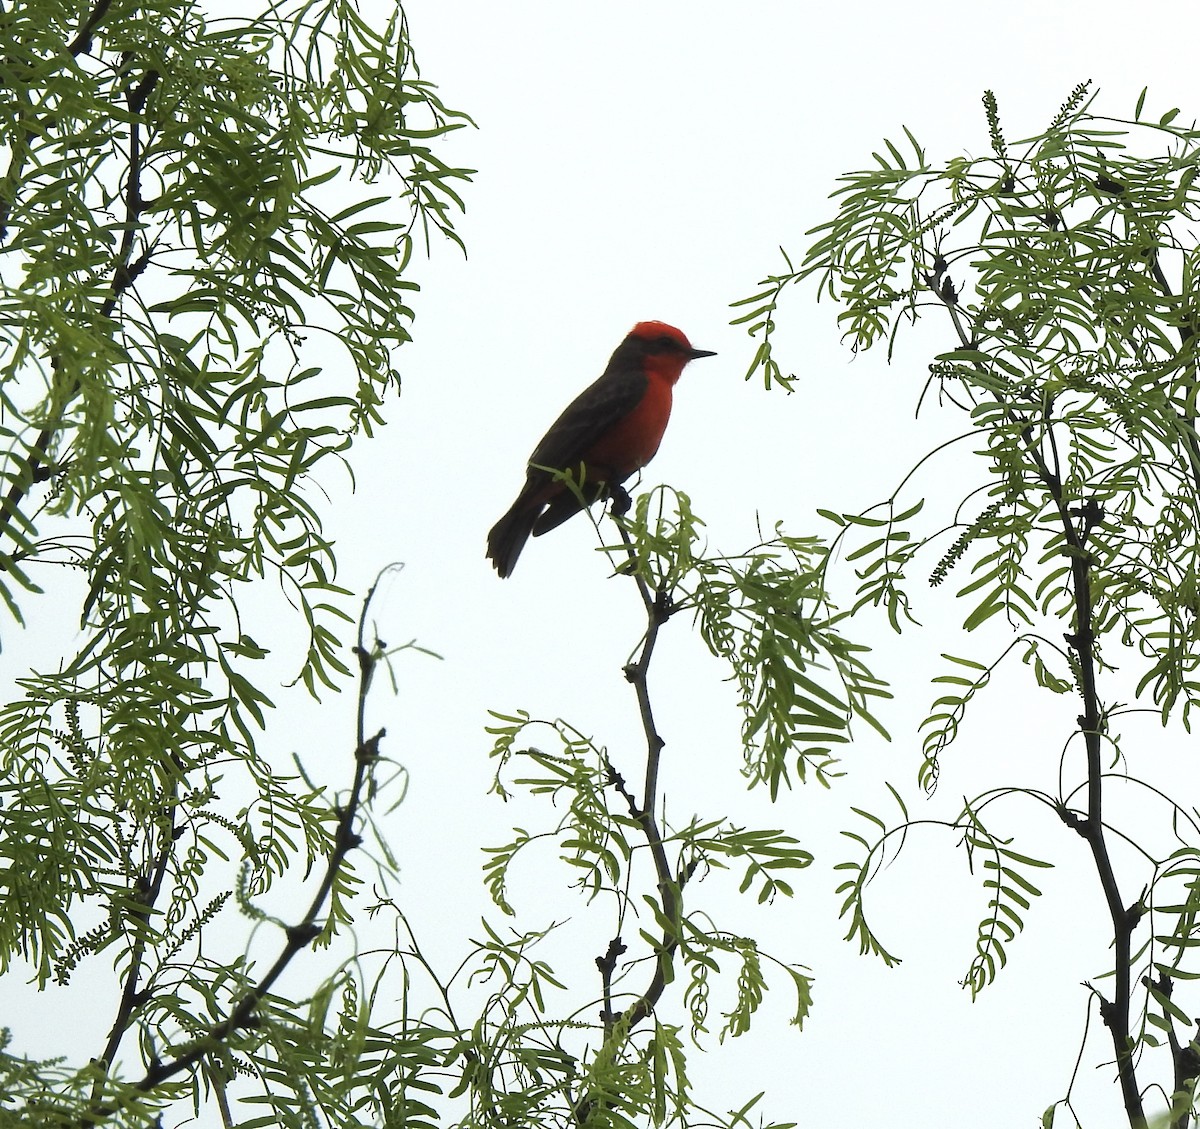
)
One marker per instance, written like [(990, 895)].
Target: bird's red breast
[(632, 441)]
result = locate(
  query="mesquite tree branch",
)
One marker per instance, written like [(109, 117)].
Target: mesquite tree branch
[(301, 934), (125, 271), (670, 886), (617, 1024), (1186, 330), (643, 810), (1114, 1012), (1082, 641), (146, 896)]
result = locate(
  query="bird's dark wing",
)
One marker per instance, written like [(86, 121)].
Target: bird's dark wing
[(565, 505), (588, 417)]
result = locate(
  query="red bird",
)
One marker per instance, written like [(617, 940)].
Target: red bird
[(611, 429)]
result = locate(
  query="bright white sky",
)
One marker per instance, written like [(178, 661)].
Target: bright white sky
[(645, 159)]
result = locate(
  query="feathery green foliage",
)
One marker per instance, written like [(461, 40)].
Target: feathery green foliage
[(1062, 269), (616, 1054), (205, 231)]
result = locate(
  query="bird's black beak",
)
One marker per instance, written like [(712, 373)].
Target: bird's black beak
[(695, 354)]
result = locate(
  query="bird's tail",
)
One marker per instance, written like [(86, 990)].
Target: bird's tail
[(508, 536)]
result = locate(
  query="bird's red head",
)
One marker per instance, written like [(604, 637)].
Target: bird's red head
[(658, 330), (663, 348)]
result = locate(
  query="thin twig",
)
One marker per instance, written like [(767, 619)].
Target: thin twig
[(670, 886), (82, 42), (131, 995)]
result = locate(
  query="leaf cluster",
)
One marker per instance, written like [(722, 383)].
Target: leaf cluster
[(1062, 270), (206, 230), (537, 1054), (801, 683), (1075, 359)]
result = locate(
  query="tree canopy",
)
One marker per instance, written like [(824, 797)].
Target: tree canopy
[(207, 228), (206, 225), (1063, 270)]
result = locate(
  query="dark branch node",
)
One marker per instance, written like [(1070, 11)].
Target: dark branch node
[(583, 1109), (368, 751), (126, 274), (618, 782), (1092, 514), (607, 963), (1108, 1012), (1187, 1065), (616, 779), (303, 934), (1080, 641), (1073, 819), (1134, 914), (141, 92)]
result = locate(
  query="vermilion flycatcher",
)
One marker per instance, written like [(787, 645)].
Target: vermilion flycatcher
[(609, 431)]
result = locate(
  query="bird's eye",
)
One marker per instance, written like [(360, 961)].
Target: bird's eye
[(668, 342)]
